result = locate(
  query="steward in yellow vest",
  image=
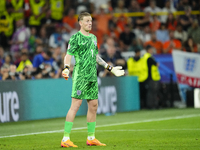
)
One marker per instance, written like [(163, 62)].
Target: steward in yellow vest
[(137, 66), (37, 12), (152, 82), (24, 62), (7, 22), (2, 6), (6, 25), (57, 8), (153, 72), (146, 69), (18, 9)]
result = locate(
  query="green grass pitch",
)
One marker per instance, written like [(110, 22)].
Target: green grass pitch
[(167, 129)]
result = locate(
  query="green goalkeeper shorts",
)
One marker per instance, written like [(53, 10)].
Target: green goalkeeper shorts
[(84, 90)]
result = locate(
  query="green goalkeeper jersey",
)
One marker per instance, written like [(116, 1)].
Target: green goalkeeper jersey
[(84, 48)]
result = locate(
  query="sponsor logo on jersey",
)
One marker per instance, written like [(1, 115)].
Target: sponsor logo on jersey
[(78, 92)]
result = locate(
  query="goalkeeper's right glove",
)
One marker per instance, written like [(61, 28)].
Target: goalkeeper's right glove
[(65, 72)]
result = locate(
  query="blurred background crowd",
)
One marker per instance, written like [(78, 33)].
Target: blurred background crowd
[(34, 34)]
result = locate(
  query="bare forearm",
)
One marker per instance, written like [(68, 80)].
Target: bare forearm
[(67, 59), (100, 61), (117, 71)]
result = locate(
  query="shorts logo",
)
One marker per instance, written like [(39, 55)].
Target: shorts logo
[(78, 92)]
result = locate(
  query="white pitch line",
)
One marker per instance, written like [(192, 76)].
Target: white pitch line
[(107, 125), (139, 130)]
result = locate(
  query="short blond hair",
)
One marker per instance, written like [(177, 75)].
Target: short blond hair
[(83, 14)]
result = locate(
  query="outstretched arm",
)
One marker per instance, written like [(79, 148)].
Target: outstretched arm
[(117, 71), (100, 61)]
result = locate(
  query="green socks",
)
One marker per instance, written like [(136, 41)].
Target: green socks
[(91, 128), (68, 128)]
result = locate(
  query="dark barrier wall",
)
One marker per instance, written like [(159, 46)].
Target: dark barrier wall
[(50, 98)]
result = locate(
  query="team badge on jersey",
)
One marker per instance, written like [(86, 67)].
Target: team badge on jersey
[(78, 92), (95, 43)]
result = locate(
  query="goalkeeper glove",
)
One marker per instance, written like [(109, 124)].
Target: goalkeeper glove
[(117, 71), (65, 72)]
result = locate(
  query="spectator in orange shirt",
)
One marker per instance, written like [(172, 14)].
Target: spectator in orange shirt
[(171, 22), (102, 19), (121, 23), (155, 24), (171, 44), (99, 34), (69, 21), (157, 45)]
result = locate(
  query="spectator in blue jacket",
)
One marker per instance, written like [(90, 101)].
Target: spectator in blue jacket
[(44, 57)]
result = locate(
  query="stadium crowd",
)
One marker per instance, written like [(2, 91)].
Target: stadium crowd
[(34, 34)]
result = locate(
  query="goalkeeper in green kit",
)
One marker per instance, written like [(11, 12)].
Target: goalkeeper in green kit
[(83, 45)]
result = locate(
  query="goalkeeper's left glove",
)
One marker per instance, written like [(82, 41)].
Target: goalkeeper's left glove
[(117, 71), (65, 72)]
